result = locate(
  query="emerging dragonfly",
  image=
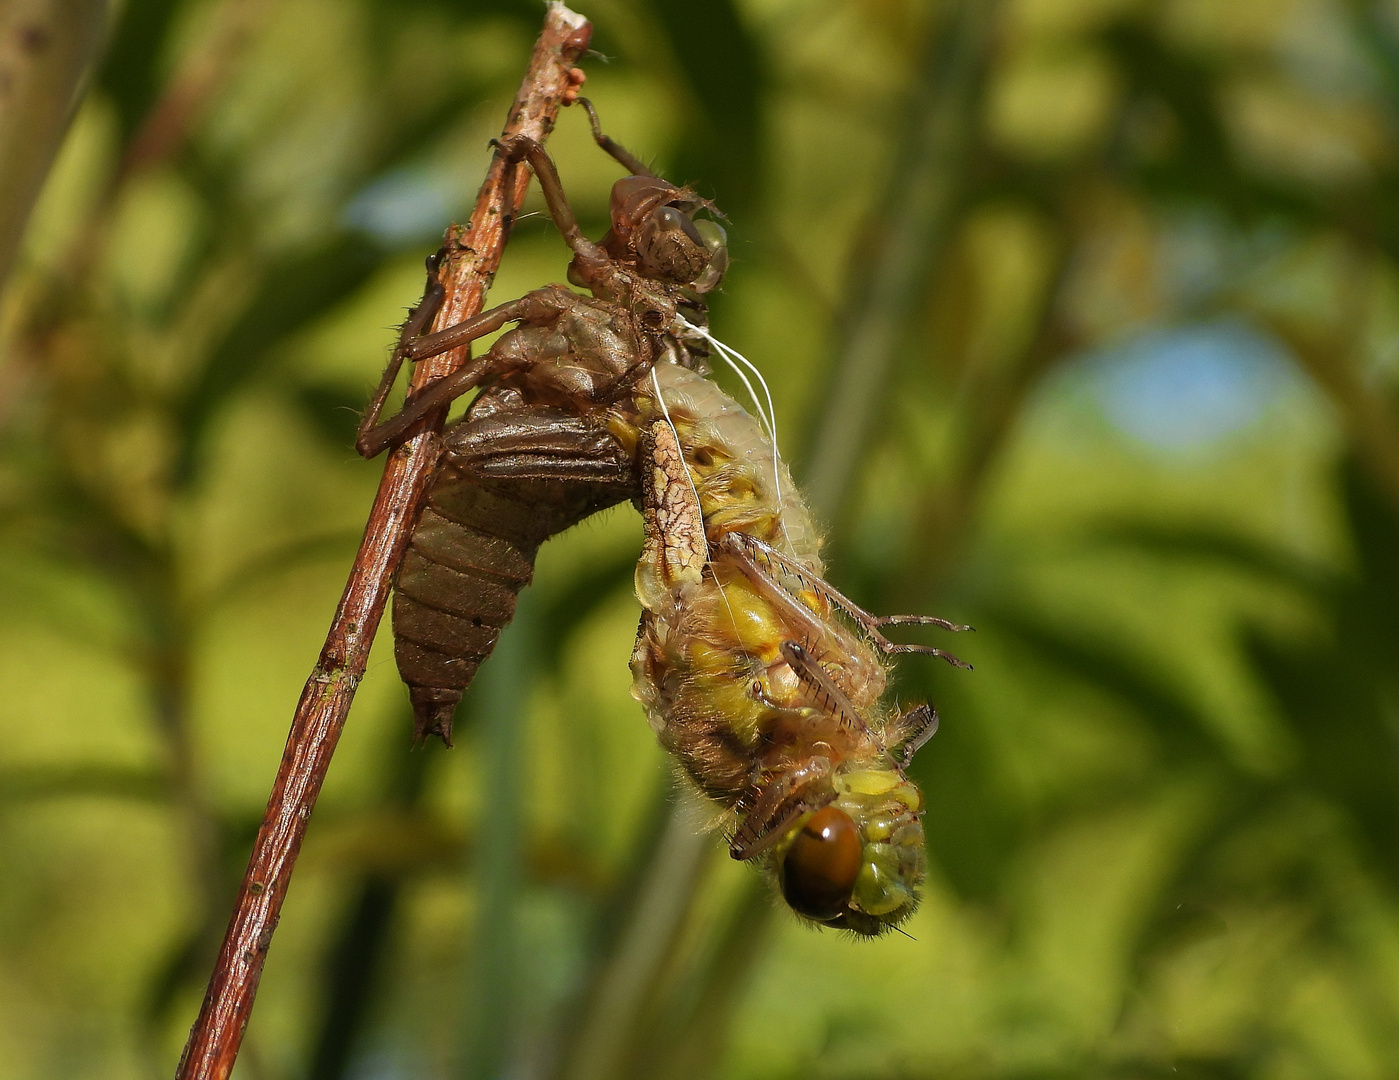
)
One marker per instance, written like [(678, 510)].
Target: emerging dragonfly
[(762, 680)]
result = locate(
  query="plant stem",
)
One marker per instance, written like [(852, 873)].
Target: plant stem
[(628, 984), (46, 49), (470, 258), (915, 215), (500, 698)]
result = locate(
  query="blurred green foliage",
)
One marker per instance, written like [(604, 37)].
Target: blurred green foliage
[(1082, 318)]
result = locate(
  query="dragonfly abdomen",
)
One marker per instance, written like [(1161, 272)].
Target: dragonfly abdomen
[(470, 555)]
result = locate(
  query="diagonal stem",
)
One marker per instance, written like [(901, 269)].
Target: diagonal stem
[(917, 209), (470, 258), (46, 50)]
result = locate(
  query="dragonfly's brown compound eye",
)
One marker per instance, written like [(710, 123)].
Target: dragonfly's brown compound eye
[(822, 864)]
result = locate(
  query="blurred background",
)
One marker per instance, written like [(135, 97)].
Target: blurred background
[(1082, 321)]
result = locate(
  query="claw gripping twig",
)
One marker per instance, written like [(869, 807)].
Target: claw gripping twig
[(469, 259)]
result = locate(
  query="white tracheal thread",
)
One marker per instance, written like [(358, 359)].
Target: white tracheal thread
[(665, 411), (769, 418)]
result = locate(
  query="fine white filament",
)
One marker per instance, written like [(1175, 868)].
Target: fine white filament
[(768, 417)]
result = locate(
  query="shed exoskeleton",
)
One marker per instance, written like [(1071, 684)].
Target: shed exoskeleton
[(763, 681), (536, 451)]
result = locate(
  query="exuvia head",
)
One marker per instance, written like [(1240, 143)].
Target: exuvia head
[(655, 230), (857, 863), (654, 226)]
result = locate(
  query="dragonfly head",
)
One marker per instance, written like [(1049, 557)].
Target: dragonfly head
[(857, 863), (654, 225)]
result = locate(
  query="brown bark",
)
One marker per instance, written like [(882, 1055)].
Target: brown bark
[(471, 256)]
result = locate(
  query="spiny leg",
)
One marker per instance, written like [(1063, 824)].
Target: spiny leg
[(820, 689), (778, 804), (909, 620), (788, 607), (620, 153), (862, 618), (522, 146), (375, 436), (374, 439), (815, 632), (419, 319), (914, 729)]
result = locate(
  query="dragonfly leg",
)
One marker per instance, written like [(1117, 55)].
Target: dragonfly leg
[(777, 804), (818, 635), (374, 436), (419, 319), (758, 551), (819, 688), (917, 620), (912, 730), (522, 146), (620, 153), (792, 611)]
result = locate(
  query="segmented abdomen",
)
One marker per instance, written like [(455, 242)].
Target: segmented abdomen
[(471, 553)]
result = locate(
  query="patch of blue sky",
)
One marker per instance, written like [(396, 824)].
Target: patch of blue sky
[(1190, 388), (403, 207)]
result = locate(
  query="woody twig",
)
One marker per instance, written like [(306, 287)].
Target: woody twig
[(469, 259)]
